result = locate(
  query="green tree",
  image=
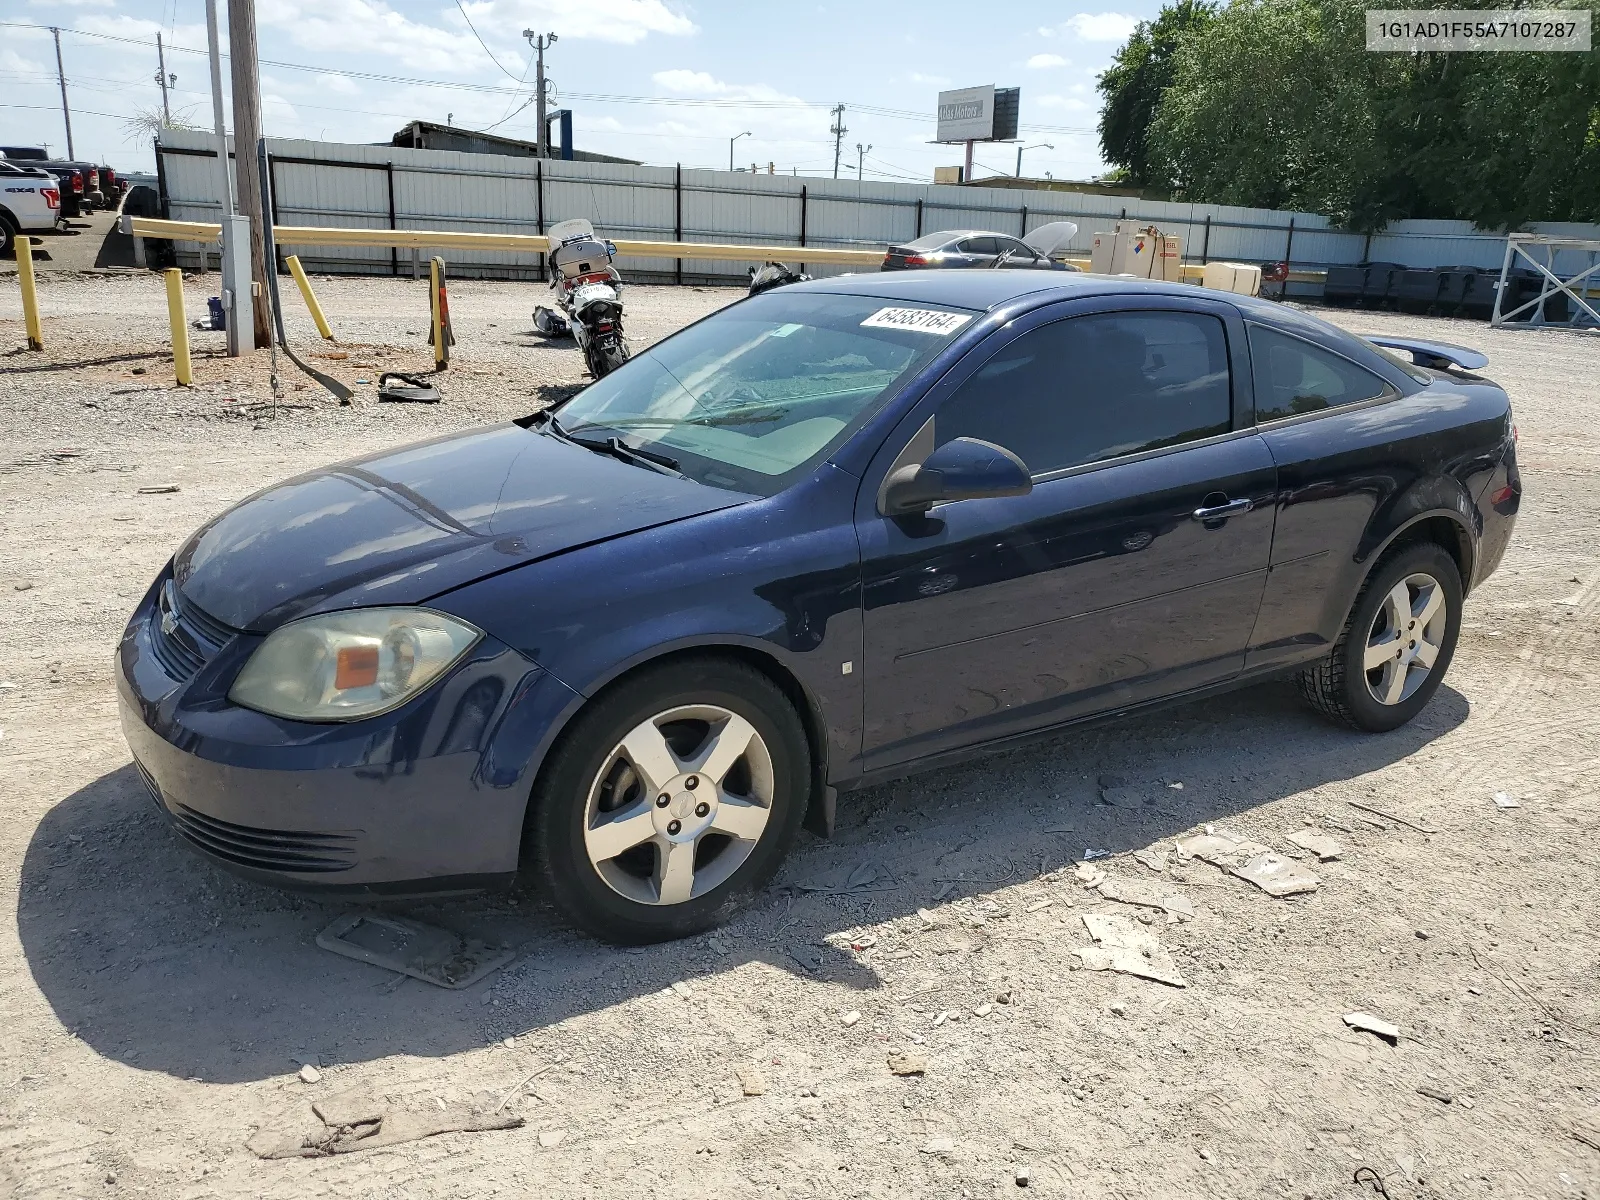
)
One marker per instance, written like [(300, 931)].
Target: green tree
[(1133, 85), (1278, 104)]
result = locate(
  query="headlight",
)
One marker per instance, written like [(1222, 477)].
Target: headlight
[(350, 664)]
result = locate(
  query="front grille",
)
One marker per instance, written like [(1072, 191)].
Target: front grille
[(183, 636), (266, 849)]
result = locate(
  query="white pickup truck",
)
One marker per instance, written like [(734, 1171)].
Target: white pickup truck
[(30, 202)]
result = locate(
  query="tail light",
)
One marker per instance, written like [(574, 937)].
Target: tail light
[(52, 197), (916, 260), (77, 181)]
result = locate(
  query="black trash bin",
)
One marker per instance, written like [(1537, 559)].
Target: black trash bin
[(1343, 285), (1417, 291)]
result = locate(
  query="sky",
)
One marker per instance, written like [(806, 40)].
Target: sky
[(662, 81)]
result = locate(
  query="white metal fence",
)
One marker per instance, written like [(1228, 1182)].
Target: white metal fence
[(357, 186)]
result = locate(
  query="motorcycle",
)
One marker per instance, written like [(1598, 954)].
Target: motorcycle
[(774, 274), (588, 296)]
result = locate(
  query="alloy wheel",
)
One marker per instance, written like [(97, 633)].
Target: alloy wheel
[(679, 804), (1405, 639)]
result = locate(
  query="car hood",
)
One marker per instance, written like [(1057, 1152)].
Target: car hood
[(407, 525)]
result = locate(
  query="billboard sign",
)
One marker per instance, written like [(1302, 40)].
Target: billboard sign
[(966, 114)]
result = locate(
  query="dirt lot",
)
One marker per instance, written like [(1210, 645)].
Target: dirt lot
[(157, 1011)]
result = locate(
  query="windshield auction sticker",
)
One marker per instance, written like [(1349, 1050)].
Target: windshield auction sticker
[(919, 320), (1455, 30)]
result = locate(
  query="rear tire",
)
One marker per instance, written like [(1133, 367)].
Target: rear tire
[(669, 801), (1396, 644), (8, 237)]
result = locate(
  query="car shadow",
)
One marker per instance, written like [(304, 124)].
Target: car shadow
[(155, 958)]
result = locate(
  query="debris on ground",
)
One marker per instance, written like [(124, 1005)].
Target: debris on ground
[(1277, 876), (850, 1018), (1434, 1092), (1147, 895), (1089, 875), (938, 1145), (1224, 850), (380, 1126), (1502, 800), (908, 1062), (1368, 1023), (1091, 853), (1324, 847), (1388, 816), (752, 1082), (1023, 1176), (551, 1138), (1153, 857), (165, 489), (309, 1074), (1126, 947), (424, 952)]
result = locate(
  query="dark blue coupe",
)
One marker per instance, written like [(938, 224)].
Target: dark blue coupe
[(828, 535)]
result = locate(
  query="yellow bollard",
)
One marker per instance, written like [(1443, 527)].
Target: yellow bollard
[(299, 274), (30, 295), (180, 327)]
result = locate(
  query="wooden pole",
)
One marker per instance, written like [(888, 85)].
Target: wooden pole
[(30, 295), (246, 136)]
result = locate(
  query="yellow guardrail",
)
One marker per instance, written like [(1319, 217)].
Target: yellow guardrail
[(532, 243), (526, 243)]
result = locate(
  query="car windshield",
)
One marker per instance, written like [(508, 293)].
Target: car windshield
[(758, 393)]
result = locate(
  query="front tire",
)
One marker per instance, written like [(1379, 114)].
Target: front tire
[(1396, 644), (669, 801)]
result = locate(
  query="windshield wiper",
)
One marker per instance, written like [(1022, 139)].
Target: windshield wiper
[(614, 446)]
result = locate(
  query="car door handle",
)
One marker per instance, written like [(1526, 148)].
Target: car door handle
[(1221, 512)]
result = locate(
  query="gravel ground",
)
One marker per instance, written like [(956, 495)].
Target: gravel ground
[(157, 1011)]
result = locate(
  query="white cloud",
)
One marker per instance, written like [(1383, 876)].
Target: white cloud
[(930, 80), (1101, 27), (72, 3), (625, 21), (1040, 62), (690, 83)]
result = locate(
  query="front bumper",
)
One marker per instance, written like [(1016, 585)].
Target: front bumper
[(429, 798)]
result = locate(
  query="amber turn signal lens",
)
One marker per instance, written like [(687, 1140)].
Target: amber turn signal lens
[(358, 667)]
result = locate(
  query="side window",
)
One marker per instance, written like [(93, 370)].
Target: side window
[(1019, 251), (979, 245), (1294, 377), (1095, 387)]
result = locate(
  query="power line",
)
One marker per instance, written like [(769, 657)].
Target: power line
[(485, 45)]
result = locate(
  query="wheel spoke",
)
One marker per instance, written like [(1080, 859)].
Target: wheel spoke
[(622, 831), (1398, 602), (1394, 681), (675, 873), (739, 818), (1426, 653), (1429, 603), (1380, 653), (724, 748), (650, 755)]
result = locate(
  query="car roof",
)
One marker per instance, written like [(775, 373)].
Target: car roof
[(985, 290)]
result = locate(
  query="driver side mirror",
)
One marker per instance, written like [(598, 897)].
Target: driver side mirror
[(962, 469)]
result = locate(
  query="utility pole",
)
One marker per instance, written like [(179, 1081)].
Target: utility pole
[(861, 158), (235, 263), (161, 78), (838, 130), (61, 78), (246, 138), (731, 141), (540, 43)]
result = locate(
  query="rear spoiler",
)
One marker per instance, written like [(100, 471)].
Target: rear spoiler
[(1439, 355)]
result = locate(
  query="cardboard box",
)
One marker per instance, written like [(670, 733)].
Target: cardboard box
[(1241, 278)]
